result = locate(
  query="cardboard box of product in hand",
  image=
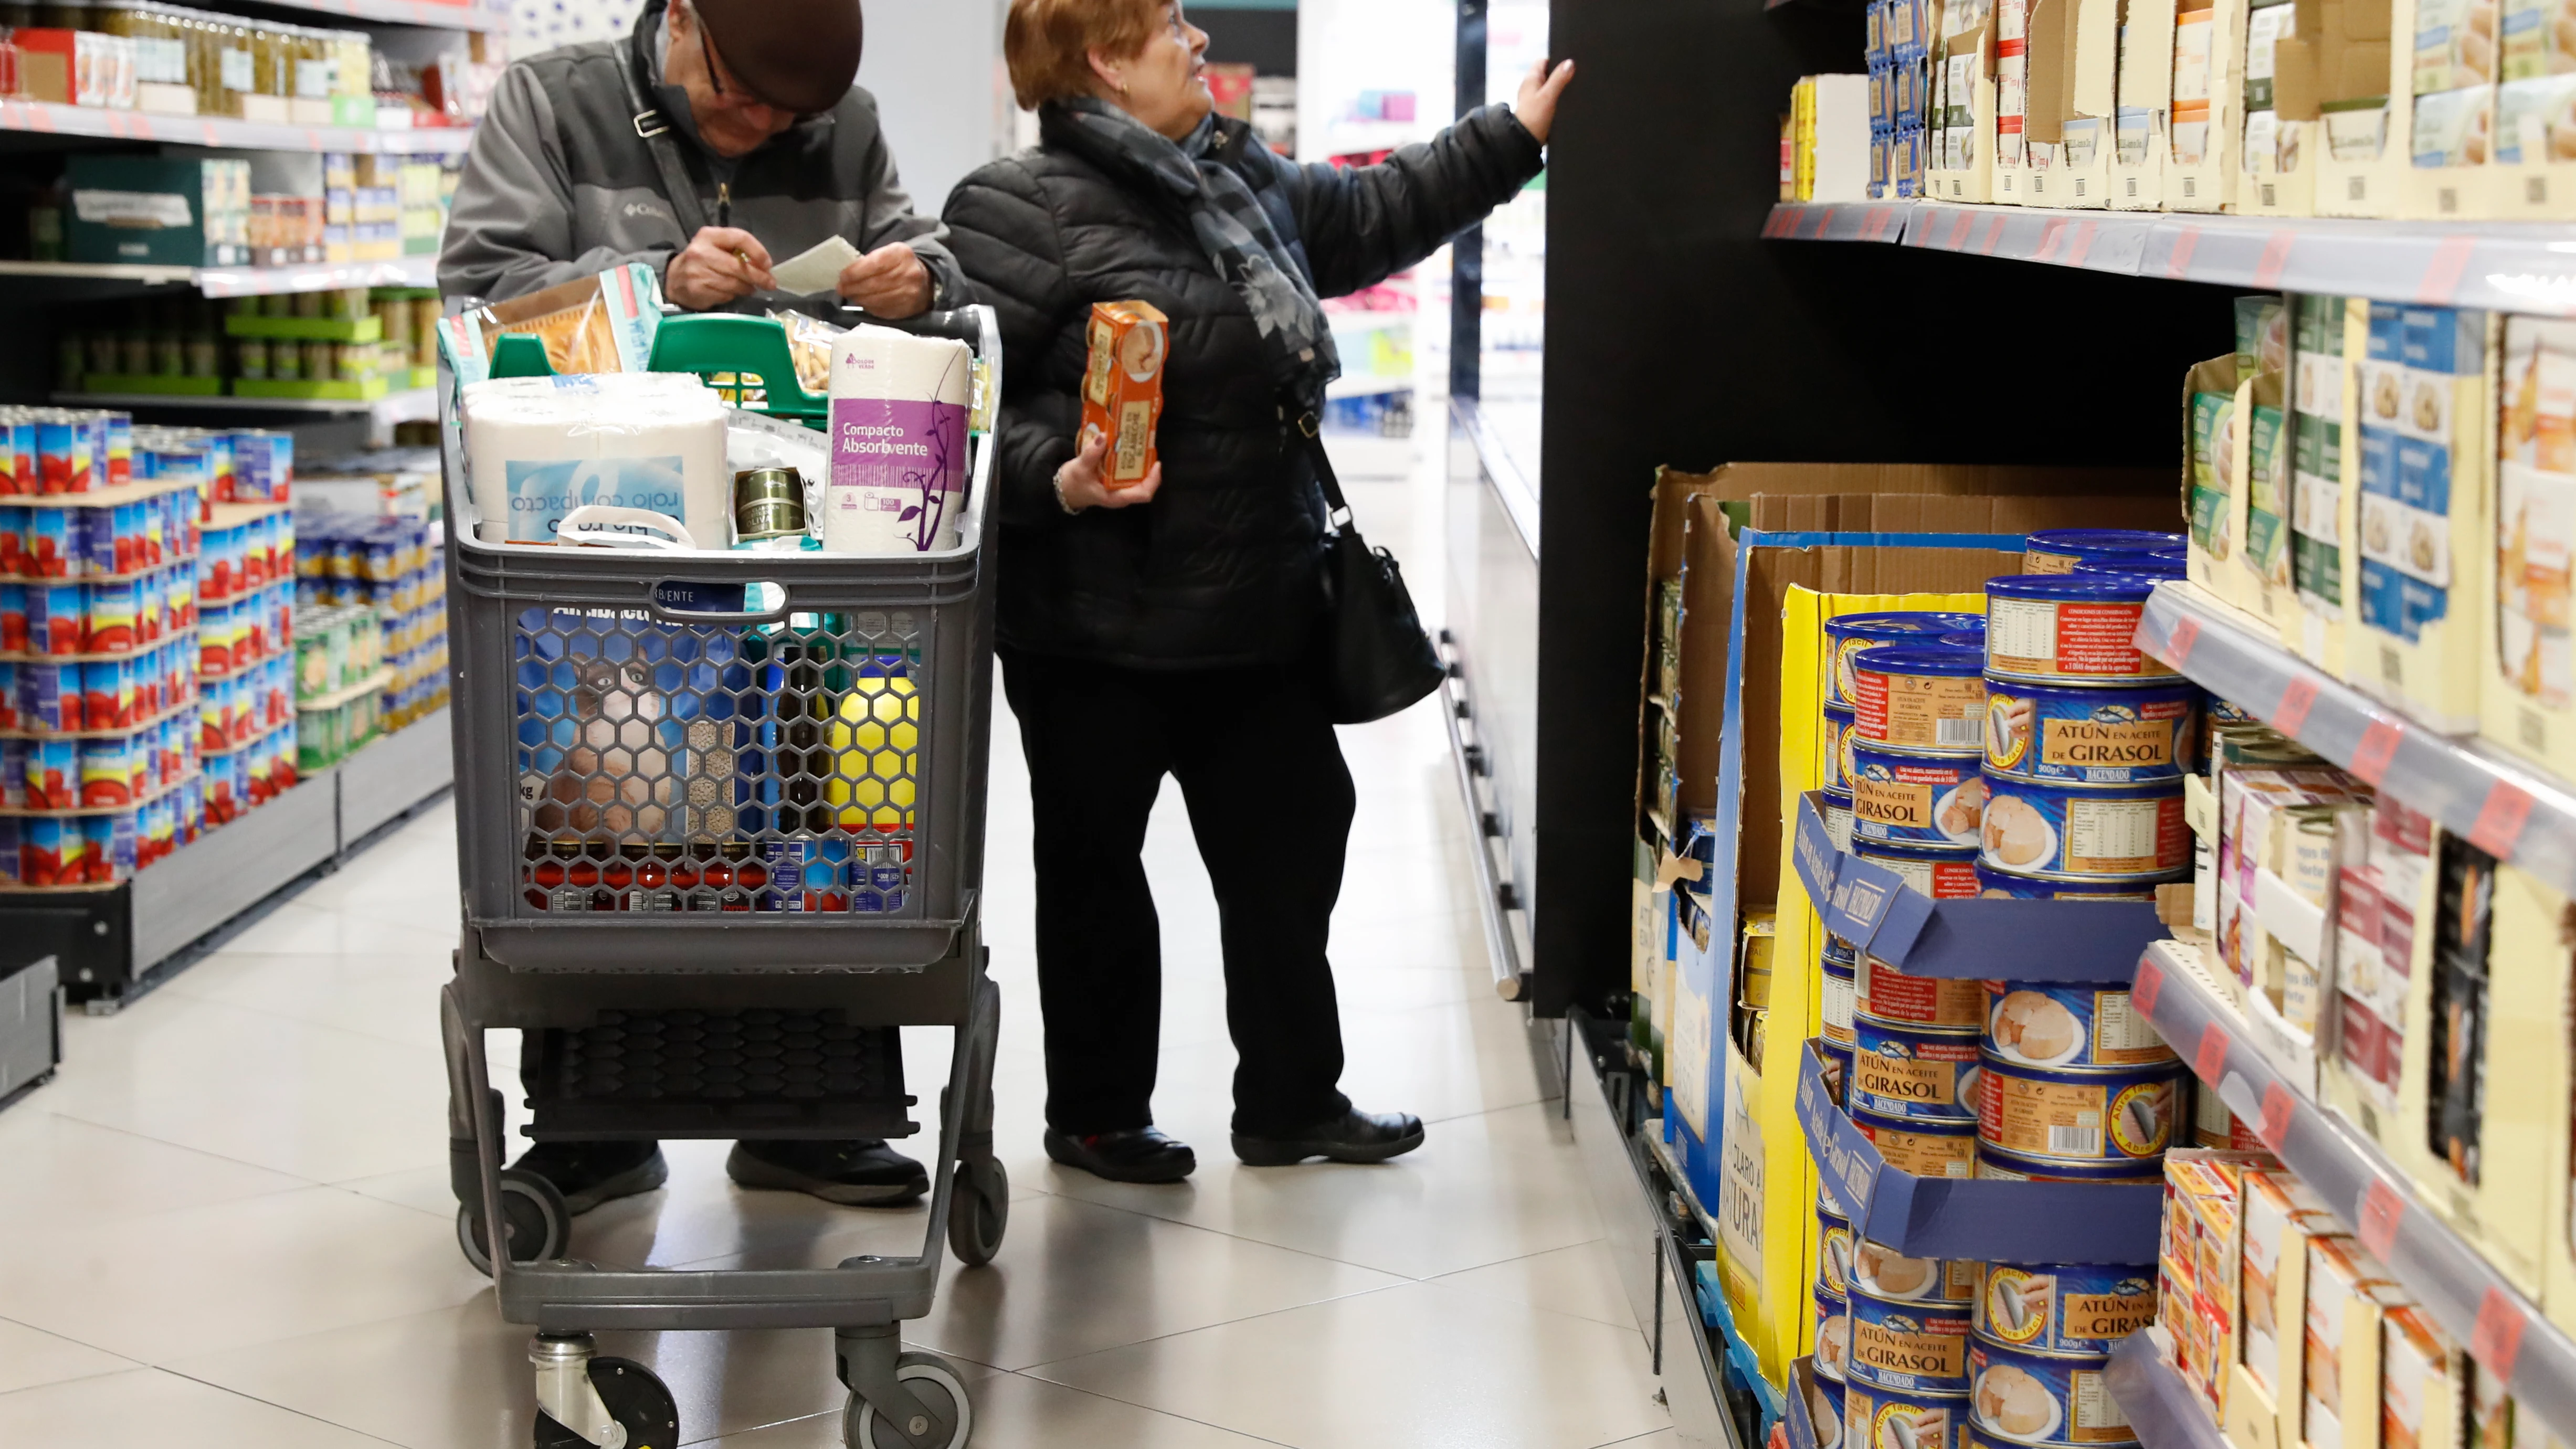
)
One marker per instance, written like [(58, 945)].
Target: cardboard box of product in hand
[(1122, 387)]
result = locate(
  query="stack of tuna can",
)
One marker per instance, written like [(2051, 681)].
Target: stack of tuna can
[(1916, 740), (1833, 1322), (2038, 1350), (1908, 1356)]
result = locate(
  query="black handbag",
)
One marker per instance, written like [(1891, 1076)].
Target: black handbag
[(1377, 657)]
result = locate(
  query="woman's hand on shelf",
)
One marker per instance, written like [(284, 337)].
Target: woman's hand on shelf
[(1536, 104)]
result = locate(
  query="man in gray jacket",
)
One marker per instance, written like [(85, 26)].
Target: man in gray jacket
[(718, 137), (652, 149)]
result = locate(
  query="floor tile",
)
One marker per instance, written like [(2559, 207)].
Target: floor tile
[(30, 1357), (63, 1173), (1415, 1365), (250, 1271), (1013, 1411), (391, 997), (149, 1407), (1580, 1281)]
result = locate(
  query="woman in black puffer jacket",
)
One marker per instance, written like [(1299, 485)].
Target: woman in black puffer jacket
[(1169, 627)]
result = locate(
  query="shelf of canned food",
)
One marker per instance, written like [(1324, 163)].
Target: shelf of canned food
[(221, 282), (2455, 1285), (2503, 807)]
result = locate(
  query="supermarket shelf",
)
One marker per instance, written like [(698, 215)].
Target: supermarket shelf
[(2464, 1294), (2503, 807), (119, 808), (100, 497), (418, 405), (2510, 266), (234, 515), (186, 707), (338, 697), (420, 271), (49, 118), (406, 12), (392, 773), (183, 561), (237, 746), (2159, 1403)]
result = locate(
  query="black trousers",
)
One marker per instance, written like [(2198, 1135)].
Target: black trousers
[(1270, 802)]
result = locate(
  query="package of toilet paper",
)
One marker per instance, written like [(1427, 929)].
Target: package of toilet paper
[(536, 448), (898, 443)]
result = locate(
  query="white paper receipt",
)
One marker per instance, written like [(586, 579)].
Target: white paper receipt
[(817, 268)]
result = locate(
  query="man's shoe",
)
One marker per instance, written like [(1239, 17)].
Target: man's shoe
[(860, 1173), (1354, 1136), (1141, 1154), (591, 1173)]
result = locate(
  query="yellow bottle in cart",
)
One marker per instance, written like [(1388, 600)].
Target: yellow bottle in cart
[(875, 737)]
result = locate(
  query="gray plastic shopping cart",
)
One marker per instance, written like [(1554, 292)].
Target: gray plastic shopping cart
[(720, 822)]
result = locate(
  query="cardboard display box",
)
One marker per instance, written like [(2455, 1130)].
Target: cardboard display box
[(2527, 699), (2143, 123), (2208, 106), (2069, 129), (1961, 166)]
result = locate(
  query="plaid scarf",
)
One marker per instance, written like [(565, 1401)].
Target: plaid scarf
[(1230, 224)]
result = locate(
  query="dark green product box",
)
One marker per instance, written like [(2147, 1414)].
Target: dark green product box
[(154, 210)]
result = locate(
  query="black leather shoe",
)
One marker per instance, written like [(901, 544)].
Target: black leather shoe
[(1354, 1136), (859, 1173), (1141, 1154), (591, 1173)]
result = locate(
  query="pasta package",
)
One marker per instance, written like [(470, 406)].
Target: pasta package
[(2424, 509), (2528, 700), (1122, 386)]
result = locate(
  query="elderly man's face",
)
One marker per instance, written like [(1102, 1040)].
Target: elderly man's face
[(729, 120)]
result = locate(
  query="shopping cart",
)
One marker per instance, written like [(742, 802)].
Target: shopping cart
[(720, 823)]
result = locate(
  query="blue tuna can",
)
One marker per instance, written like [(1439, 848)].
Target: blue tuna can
[(2086, 832), (2061, 1402), (1995, 884), (1911, 799), (1881, 1418), (2069, 629), (2072, 1308), (2092, 736), (2085, 1118), (1852, 633), (2059, 550), (1915, 1346), (1916, 1075)]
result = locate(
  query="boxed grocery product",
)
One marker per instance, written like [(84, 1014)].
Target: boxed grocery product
[(2208, 97), (2424, 510), (2451, 134), (2348, 1293), (2263, 368), (2423, 1383), (2364, 106), (1829, 130), (2279, 178), (2200, 1266), (1122, 387), (2534, 168), (2328, 334), (1965, 100), (2143, 142), (2281, 1217), (2212, 502), (2528, 700), (151, 209), (2070, 106)]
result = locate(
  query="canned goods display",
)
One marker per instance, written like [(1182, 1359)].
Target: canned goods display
[(1915, 799), (1917, 1344), (1923, 698), (1833, 1249), (53, 775), (2005, 1167), (2009, 885), (1825, 1409), (1835, 998), (2041, 1399), (2092, 736), (1838, 723), (1943, 874), (2078, 1117), (1884, 1418), (1927, 1076), (1838, 1064), (2059, 550), (1926, 1149), (1833, 1339), (2116, 832), (1899, 998), (2072, 1308), (1838, 818), (1881, 1270), (2069, 1026), (2068, 628), (1849, 634)]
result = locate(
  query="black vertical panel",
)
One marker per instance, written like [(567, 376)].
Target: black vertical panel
[(1676, 335), (1467, 252)]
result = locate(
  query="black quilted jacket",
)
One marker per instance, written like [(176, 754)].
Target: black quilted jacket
[(1221, 569)]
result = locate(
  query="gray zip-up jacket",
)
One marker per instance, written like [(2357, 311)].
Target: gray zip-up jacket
[(560, 183)]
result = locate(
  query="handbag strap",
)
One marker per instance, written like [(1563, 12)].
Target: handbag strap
[(654, 129), (1309, 425)]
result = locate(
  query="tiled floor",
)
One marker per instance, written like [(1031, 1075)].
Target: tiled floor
[(227, 1222)]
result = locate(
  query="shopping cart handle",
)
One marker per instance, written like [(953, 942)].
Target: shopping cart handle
[(696, 601)]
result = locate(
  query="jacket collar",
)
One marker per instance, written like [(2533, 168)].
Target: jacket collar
[(1059, 131)]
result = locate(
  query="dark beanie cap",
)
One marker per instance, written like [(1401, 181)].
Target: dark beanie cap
[(797, 55)]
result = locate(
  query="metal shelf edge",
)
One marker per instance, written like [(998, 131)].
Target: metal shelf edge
[(2159, 1403)]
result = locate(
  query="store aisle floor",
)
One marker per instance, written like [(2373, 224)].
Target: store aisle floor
[(227, 1221)]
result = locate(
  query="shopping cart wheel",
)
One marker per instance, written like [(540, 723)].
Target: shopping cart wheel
[(533, 1218), (636, 1400), (940, 1390), (978, 1211)]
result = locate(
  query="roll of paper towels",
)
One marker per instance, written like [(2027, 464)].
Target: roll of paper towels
[(539, 447), (898, 481)]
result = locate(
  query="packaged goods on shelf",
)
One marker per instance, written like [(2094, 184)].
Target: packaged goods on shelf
[(2424, 510), (2327, 335), (1961, 134), (2528, 695), (1899, 96), (1830, 138)]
